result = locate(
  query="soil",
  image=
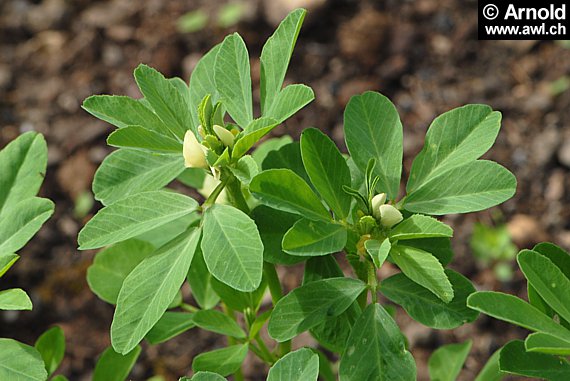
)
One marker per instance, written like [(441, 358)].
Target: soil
[(424, 55)]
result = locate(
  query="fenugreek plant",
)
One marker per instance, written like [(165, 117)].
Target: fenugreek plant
[(277, 203), (22, 169)]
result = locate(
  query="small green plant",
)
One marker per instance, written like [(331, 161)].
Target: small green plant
[(22, 169), (227, 15), (493, 247), (285, 203), (544, 353)]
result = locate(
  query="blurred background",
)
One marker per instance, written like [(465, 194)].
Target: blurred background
[(423, 54)]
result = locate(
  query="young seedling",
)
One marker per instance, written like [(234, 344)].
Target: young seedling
[(285, 203)]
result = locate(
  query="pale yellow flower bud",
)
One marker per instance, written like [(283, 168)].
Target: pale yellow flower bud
[(201, 131), (193, 151), (377, 201), (389, 215), (225, 136)]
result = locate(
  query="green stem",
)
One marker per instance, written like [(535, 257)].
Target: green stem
[(276, 294), (273, 282), (235, 195), (264, 349), (189, 308), (238, 375), (215, 193), (372, 282), (259, 353)]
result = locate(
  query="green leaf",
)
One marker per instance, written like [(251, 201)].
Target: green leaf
[(268, 145), (142, 138), (290, 100), (561, 259), (254, 131), (446, 362), (491, 371), (472, 187), (167, 232), (15, 299), (233, 251), (438, 247), (424, 269), (22, 170), (272, 225), (284, 190), (122, 111), (545, 343), (113, 366), (165, 99), (7, 261), (51, 345), (548, 280), (300, 365), (126, 172), (112, 265), (132, 216), (223, 361), (237, 300), (556, 254), (516, 311), (60, 377), (516, 360), (454, 138), (418, 226), (307, 306), (288, 157), (327, 170), (218, 322), (275, 57), (246, 169), (378, 251), (192, 177), (202, 82), (373, 129), (149, 289), (376, 350), (313, 238), (333, 332), (233, 79), (20, 222), (423, 306), (182, 88), (200, 281), (20, 362), (205, 376), (170, 325)]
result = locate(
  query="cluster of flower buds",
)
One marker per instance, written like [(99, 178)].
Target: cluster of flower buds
[(195, 152), (387, 214)]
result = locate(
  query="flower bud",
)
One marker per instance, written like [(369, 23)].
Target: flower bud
[(225, 136), (389, 215), (193, 152), (377, 201), (201, 131)]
